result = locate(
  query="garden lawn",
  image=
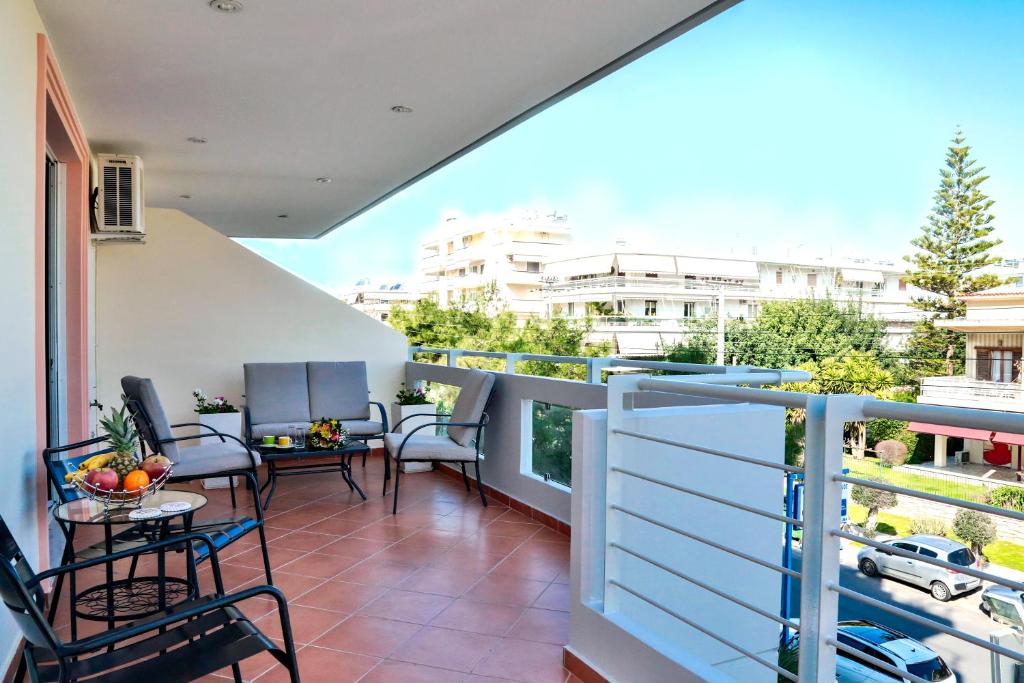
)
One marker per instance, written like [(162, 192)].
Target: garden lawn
[(869, 468), (1003, 553)]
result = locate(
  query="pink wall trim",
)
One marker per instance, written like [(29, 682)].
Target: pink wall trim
[(58, 126)]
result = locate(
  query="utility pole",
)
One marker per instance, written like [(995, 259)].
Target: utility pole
[(720, 344)]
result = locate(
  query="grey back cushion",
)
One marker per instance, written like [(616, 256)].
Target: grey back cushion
[(154, 426), (469, 406), (338, 390), (276, 392)]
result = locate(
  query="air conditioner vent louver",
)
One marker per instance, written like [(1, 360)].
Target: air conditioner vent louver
[(120, 202)]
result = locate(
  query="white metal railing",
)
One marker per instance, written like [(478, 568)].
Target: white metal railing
[(634, 565), (960, 386), (597, 365), (619, 282)]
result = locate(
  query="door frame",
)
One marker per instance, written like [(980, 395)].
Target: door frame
[(58, 127)]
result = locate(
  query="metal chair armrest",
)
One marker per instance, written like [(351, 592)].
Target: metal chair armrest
[(383, 415), (395, 426), (197, 424), (478, 425)]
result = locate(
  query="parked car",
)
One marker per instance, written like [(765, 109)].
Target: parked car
[(1004, 605), (943, 583), (892, 647), (886, 645)]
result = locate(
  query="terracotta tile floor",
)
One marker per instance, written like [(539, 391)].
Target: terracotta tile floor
[(445, 591)]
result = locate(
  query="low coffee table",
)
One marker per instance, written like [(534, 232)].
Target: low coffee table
[(272, 455)]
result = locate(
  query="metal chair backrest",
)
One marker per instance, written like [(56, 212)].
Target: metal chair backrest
[(148, 412), (58, 464), (25, 601)]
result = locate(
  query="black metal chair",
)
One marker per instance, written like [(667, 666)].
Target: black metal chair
[(222, 532), (461, 444), (198, 637)]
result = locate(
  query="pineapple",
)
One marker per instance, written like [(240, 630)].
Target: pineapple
[(122, 437)]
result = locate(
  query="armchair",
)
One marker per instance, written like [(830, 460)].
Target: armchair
[(206, 634), (461, 445)]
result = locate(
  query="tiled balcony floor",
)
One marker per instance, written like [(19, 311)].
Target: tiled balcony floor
[(445, 591)]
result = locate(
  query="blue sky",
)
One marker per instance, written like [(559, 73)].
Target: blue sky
[(783, 125)]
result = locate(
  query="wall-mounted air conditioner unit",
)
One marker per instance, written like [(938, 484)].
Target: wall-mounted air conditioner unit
[(960, 457), (119, 197)]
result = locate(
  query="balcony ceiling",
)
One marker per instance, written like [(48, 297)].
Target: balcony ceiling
[(286, 92)]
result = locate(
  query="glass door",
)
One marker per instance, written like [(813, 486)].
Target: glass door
[(56, 306)]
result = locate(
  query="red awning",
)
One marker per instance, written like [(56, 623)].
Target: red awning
[(1006, 437), (944, 430)]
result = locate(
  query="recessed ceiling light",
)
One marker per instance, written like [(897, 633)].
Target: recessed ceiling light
[(196, 140), (185, 196), (282, 215), (226, 6), (401, 109), (323, 180)]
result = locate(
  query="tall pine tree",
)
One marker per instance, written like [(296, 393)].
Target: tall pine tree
[(950, 251)]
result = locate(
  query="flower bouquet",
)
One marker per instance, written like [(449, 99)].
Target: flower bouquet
[(327, 433)]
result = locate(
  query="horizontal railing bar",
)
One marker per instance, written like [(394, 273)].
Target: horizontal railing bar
[(787, 399), (899, 552), (668, 365), (970, 505), (486, 354), (708, 496), (758, 377), (709, 451), (692, 624), (923, 621), (707, 541), (579, 360), (968, 418), (885, 666), (700, 584)]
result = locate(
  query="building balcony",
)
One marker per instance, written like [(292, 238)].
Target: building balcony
[(625, 286), (969, 392)]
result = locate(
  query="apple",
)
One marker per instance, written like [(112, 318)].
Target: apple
[(102, 479), (155, 466)]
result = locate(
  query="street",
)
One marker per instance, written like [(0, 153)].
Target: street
[(970, 663)]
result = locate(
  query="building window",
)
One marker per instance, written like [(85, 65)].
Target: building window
[(620, 306), (778, 277), (467, 240), (551, 442), (689, 309), (903, 285), (812, 279), (753, 310), (998, 365), (451, 247), (570, 309), (533, 266), (462, 272), (650, 307)]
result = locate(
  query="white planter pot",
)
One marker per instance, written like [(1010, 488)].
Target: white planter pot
[(226, 423), (422, 414)]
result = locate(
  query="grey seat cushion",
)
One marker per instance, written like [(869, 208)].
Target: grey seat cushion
[(276, 392), (338, 390), (154, 427), (469, 406), (211, 458), (275, 428), (362, 427), (428, 447)]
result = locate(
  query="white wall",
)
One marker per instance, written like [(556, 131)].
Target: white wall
[(189, 306), (19, 24)]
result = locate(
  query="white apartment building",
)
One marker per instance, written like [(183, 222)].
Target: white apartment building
[(464, 255), (376, 300), (642, 302)]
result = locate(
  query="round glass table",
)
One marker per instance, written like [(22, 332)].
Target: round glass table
[(136, 596)]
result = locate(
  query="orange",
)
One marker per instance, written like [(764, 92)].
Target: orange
[(135, 480)]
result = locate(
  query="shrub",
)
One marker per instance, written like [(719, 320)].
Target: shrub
[(874, 500), (924, 450), (975, 528), (891, 452), (1009, 497), (929, 527), (884, 429)]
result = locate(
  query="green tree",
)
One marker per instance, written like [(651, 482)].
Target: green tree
[(874, 500), (951, 249), (789, 333), (975, 528)]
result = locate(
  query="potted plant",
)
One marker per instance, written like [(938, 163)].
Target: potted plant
[(414, 404), (221, 416)]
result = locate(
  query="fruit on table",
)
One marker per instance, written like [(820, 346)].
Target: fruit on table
[(123, 464), (102, 479), (77, 475), (122, 436), (156, 465), (101, 460), (136, 480)]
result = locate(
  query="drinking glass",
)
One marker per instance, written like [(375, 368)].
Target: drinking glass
[(298, 433)]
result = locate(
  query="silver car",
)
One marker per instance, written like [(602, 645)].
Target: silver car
[(1004, 605), (943, 583)]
